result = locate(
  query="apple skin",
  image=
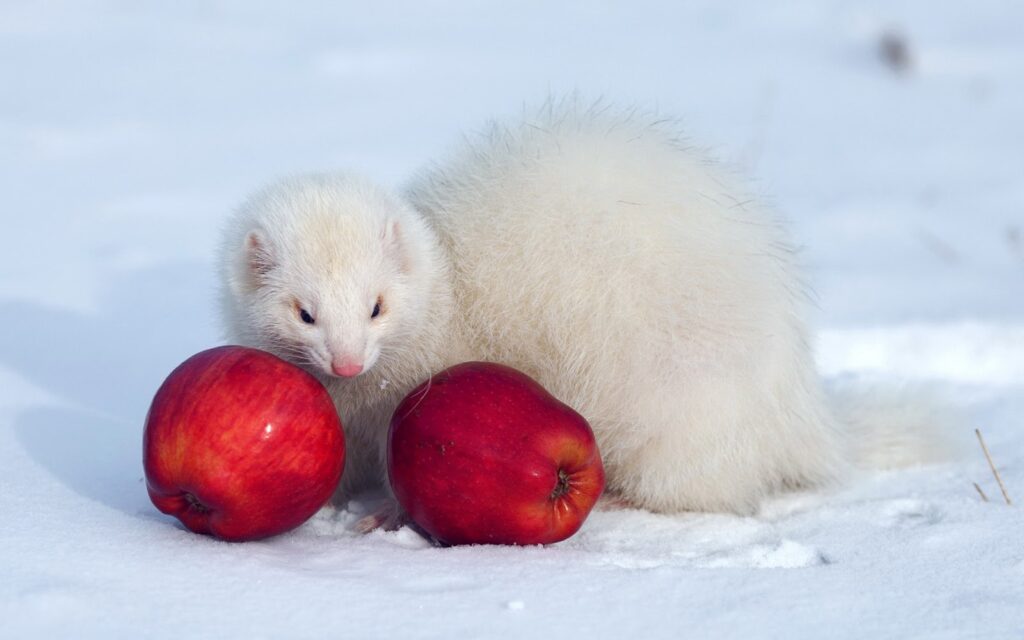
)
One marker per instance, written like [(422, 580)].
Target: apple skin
[(482, 454), (241, 445)]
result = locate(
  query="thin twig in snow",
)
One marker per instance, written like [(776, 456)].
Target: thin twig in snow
[(992, 466), (981, 493)]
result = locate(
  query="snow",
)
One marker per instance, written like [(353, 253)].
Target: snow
[(130, 130)]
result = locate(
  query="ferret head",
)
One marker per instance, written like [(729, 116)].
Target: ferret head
[(326, 271)]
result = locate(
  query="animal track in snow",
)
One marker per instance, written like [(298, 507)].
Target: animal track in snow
[(910, 513), (698, 540), (785, 554)]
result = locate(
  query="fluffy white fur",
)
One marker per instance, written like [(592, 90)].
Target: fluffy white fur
[(587, 247)]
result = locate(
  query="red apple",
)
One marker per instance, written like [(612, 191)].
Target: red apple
[(482, 453), (241, 444)]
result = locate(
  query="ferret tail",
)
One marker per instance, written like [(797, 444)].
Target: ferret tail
[(891, 428)]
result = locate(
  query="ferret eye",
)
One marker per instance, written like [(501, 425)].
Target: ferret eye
[(304, 315), (376, 310)]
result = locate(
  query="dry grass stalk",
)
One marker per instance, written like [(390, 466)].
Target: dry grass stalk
[(992, 466), (980, 492)]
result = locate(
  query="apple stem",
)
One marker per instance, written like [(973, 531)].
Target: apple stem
[(562, 487), (194, 503)]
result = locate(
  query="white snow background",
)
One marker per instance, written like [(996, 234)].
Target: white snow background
[(128, 131)]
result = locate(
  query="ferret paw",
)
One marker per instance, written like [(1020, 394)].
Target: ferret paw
[(387, 517)]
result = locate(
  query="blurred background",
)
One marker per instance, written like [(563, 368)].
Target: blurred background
[(889, 133)]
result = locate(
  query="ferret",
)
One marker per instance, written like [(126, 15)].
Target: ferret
[(588, 247)]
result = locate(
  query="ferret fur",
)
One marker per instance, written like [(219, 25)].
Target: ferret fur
[(630, 275)]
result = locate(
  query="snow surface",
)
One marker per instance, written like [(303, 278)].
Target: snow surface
[(129, 130)]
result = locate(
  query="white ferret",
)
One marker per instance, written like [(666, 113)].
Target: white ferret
[(588, 248)]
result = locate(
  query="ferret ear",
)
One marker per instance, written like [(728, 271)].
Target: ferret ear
[(258, 259), (395, 246)]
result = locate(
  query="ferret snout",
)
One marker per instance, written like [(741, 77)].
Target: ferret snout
[(346, 367), (347, 353)]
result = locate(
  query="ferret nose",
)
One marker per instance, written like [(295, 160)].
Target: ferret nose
[(346, 368)]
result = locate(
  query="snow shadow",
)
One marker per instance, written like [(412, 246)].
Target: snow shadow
[(105, 368)]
